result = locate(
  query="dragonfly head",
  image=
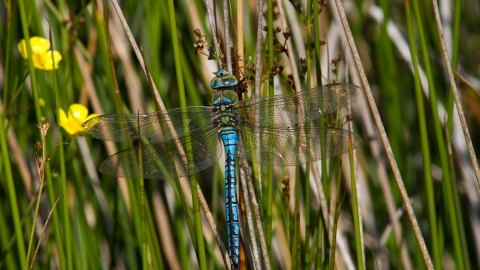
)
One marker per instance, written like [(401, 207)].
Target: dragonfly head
[(222, 80)]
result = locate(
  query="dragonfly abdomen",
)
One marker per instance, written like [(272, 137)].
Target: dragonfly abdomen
[(230, 140)]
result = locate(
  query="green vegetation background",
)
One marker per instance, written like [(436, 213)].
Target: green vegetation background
[(98, 224)]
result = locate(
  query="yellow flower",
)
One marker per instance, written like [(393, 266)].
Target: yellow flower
[(77, 114), (41, 101), (39, 46), (51, 61), (41, 55)]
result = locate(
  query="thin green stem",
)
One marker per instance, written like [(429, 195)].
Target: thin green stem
[(325, 181), (37, 207), (61, 147), (5, 163), (144, 225), (456, 95), (336, 215), (23, 17), (306, 247), (455, 43), (316, 41), (437, 254), (296, 248), (427, 171), (383, 136), (355, 210), (12, 195), (56, 220), (8, 53), (270, 90), (155, 249), (106, 53), (193, 182), (455, 50), (33, 76), (455, 216), (385, 61), (318, 69)]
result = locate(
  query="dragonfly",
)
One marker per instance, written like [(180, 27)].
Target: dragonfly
[(272, 130)]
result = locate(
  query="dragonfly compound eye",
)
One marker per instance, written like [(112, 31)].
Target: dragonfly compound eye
[(223, 80)]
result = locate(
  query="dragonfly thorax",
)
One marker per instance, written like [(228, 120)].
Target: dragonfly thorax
[(223, 110)]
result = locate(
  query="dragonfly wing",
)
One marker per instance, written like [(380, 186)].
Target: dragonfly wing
[(292, 145), (297, 108), (165, 160), (156, 126)]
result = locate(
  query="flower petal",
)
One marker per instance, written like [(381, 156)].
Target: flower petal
[(78, 112), (22, 48), (37, 61), (63, 117), (73, 128), (39, 45), (50, 61)]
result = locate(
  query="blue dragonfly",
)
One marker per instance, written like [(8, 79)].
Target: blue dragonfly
[(183, 141)]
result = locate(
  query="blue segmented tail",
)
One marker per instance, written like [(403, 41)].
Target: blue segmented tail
[(230, 139)]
